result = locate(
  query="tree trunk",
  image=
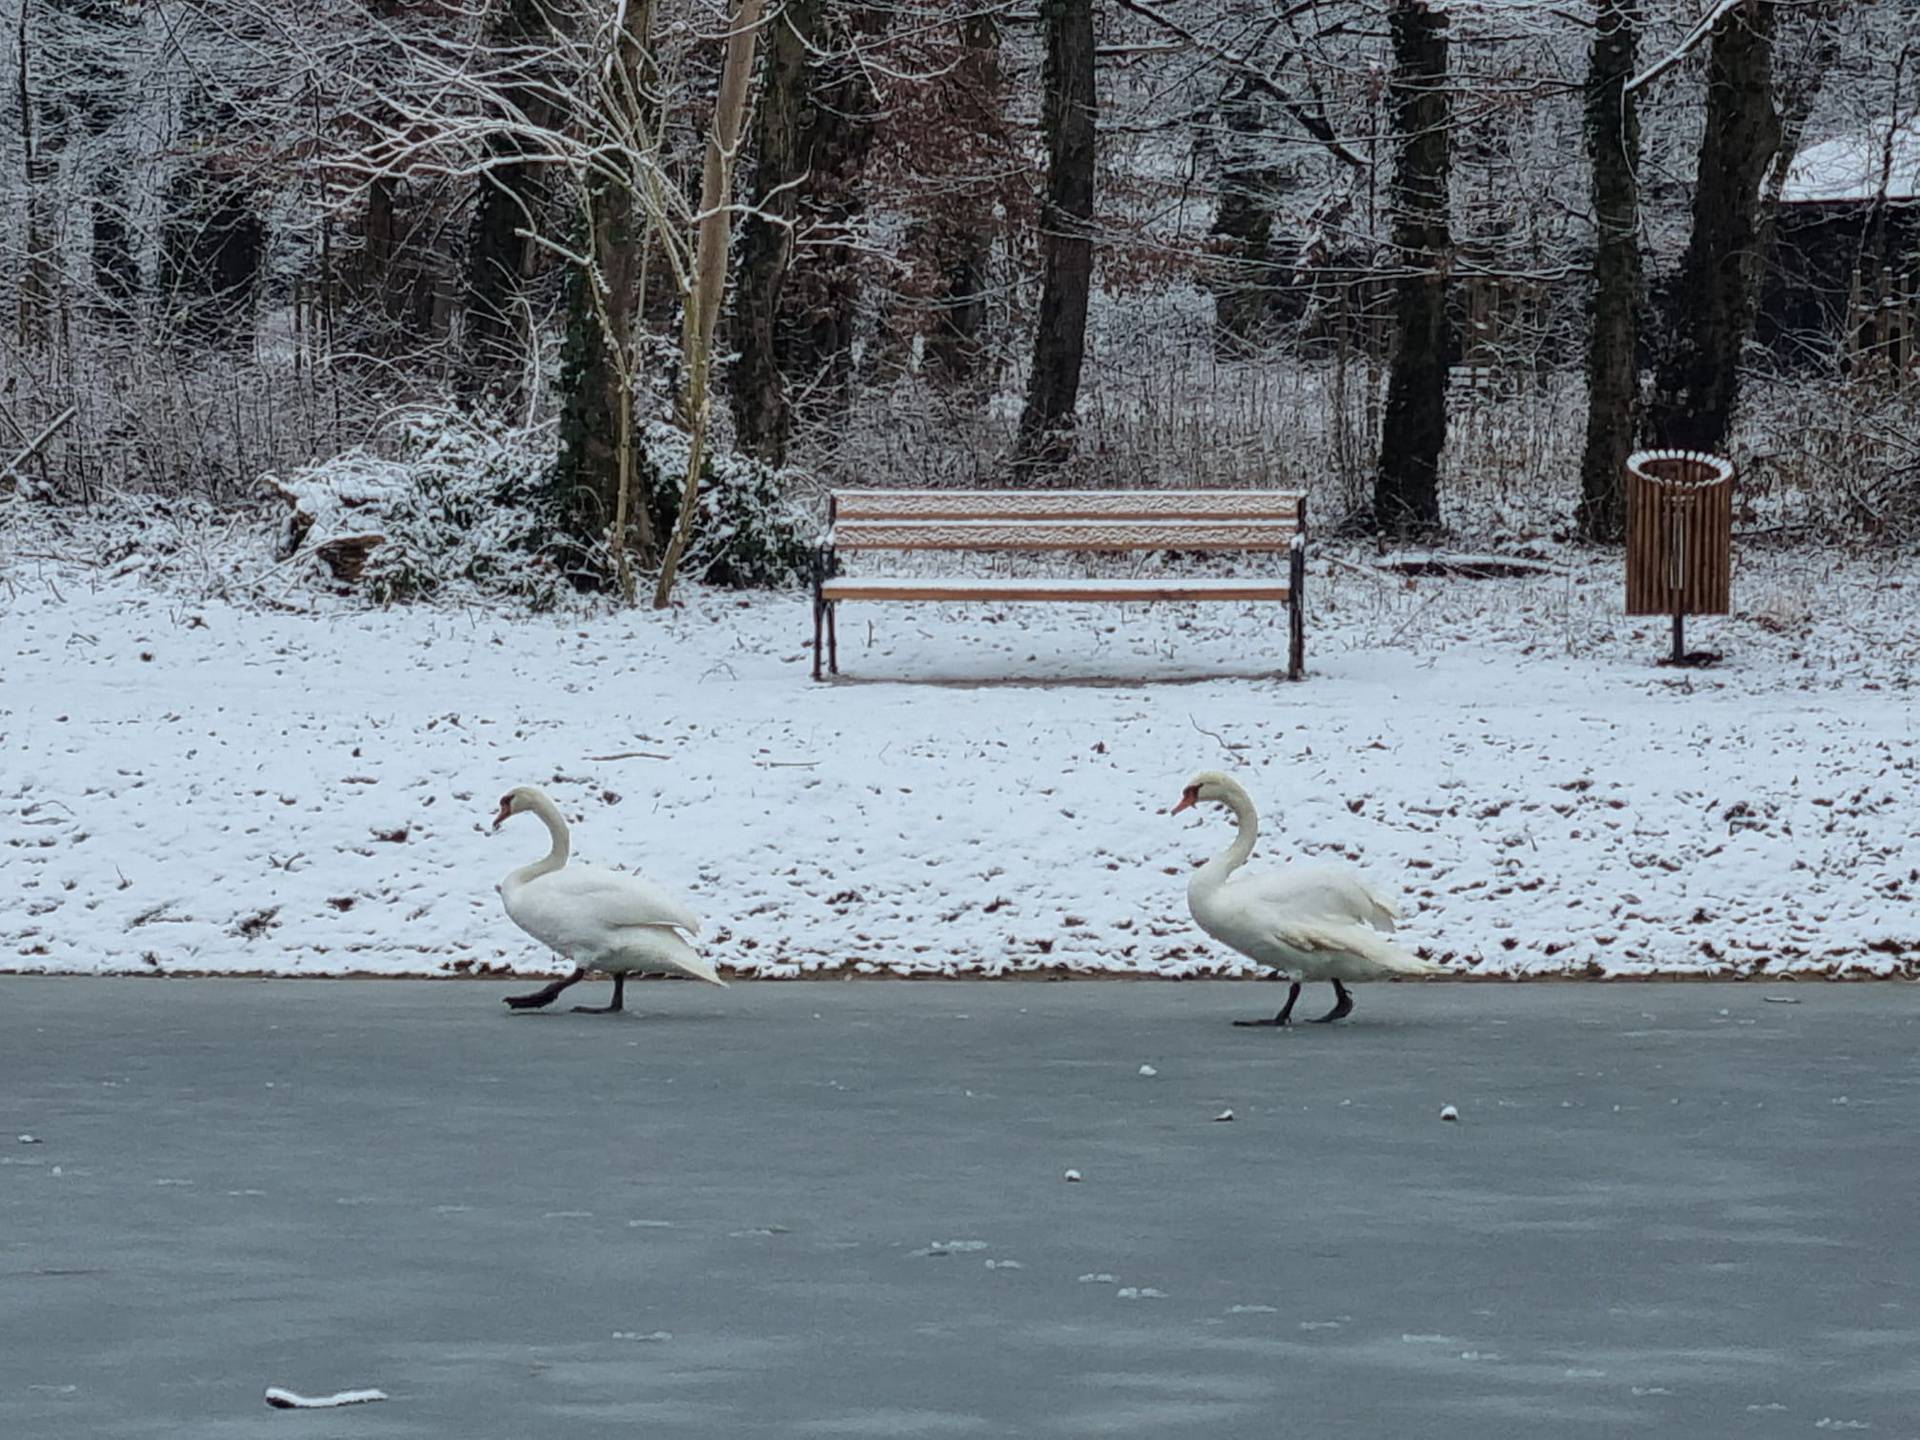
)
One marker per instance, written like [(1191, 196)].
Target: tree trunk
[(1406, 494), (1613, 341), (99, 94), (37, 274), (1698, 378), (823, 292), (762, 420), (1243, 222), (962, 235), (509, 196), (212, 240), (595, 473), (709, 283), (1066, 235)]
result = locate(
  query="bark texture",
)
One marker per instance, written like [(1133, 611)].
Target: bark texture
[(508, 199), (1066, 235), (1406, 496), (1697, 380), (1613, 341)]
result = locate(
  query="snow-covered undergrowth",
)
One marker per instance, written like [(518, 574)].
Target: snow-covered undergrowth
[(206, 767)]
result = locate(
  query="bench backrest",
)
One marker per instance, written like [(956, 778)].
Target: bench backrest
[(1066, 519)]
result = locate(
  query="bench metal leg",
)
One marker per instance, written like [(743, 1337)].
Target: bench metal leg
[(819, 614), (833, 641), (1296, 613)]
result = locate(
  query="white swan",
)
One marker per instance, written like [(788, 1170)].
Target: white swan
[(1310, 923), (600, 919)]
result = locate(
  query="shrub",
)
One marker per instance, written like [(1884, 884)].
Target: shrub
[(462, 507), (748, 532)]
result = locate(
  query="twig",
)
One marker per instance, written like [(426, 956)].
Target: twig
[(632, 755), (12, 467), (1371, 574), (1215, 736), (786, 764)]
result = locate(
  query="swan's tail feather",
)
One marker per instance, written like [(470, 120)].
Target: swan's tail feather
[(695, 966), (659, 948), (1381, 955)]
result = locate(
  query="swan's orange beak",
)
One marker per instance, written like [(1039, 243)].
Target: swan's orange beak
[(1188, 799), (506, 809)]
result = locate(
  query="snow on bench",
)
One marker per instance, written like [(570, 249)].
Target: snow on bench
[(1059, 521)]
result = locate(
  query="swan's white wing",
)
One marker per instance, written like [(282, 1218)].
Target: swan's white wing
[(1313, 893), (611, 898), (1343, 949)]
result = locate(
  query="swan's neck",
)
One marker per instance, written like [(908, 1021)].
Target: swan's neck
[(1216, 870), (557, 828)]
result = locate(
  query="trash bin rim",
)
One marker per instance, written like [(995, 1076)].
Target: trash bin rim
[(1719, 465)]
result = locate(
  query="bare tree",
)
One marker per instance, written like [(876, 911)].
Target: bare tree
[(509, 194), (1066, 235), (706, 286), (1697, 381), (762, 417), (1613, 339), (1406, 496)]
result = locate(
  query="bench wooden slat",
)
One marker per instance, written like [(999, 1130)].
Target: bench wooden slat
[(1066, 504), (1155, 534), (1041, 588)]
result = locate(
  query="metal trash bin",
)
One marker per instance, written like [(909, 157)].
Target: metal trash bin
[(1679, 540)]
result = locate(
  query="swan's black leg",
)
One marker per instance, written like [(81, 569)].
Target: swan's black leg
[(618, 1003), (1285, 1017), (1342, 1005), (546, 993)]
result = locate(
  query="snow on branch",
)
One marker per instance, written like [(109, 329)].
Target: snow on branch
[(1686, 47)]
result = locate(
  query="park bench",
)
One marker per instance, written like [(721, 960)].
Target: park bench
[(1060, 521)]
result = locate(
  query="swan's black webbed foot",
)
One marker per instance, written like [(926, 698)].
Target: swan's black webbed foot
[(614, 1006), (546, 994), (1342, 1006), (1285, 1017)]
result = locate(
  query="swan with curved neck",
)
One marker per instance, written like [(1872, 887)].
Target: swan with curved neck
[(1309, 922), (599, 919)]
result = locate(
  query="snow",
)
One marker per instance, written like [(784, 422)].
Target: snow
[(197, 776), (1851, 168)]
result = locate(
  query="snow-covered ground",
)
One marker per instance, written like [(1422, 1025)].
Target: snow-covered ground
[(201, 771)]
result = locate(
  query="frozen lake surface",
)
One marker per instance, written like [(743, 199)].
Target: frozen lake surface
[(840, 1209)]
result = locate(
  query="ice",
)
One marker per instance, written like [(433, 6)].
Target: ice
[(953, 1247)]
